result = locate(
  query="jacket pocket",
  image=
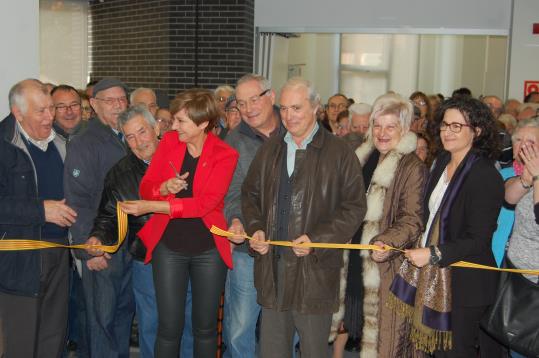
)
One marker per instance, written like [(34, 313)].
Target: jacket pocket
[(322, 281), (21, 181)]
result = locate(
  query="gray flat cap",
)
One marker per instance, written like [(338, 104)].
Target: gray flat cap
[(107, 83)]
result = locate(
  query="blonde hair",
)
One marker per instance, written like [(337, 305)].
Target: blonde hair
[(392, 103)]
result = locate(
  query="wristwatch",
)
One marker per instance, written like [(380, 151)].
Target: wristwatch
[(435, 255)]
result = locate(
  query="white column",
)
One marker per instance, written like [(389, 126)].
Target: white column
[(19, 29)]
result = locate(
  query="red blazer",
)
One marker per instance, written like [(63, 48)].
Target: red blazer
[(214, 172)]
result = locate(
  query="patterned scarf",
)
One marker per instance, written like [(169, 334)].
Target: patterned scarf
[(423, 295)]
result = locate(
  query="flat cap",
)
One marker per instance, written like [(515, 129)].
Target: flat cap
[(107, 83)]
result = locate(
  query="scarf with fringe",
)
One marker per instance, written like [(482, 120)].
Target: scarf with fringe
[(423, 295)]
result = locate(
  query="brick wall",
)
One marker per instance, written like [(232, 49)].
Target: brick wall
[(152, 43)]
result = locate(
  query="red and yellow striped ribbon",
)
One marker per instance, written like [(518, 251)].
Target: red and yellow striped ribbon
[(12, 245), (218, 231)]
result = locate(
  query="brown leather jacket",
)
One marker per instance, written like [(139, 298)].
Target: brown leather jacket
[(327, 204)]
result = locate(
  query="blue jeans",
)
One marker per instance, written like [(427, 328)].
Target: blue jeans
[(147, 312), (109, 306), (241, 310), (516, 355)]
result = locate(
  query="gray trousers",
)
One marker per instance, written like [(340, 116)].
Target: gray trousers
[(277, 334)]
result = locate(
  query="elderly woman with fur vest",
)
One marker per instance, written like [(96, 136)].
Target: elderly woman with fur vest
[(395, 178)]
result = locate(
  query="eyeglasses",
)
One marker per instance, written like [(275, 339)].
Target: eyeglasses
[(453, 127), (86, 108), (253, 101), (420, 102), (232, 110), (64, 107), (112, 101)]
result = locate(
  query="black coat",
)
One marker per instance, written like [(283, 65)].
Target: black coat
[(471, 224), (121, 183)]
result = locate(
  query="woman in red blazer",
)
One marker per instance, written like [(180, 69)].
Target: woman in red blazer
[(184, 186)]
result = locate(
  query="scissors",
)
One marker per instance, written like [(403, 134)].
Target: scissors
[(177, 174)]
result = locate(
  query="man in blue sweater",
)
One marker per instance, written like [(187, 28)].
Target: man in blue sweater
[(33, 284)]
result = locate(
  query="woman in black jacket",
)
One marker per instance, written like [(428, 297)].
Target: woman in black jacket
[(463, 198)]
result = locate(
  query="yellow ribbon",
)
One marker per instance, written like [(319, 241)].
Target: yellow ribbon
[(11, 245), (221, 232)]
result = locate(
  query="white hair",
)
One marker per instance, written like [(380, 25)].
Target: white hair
[(264, 83), (224, 88), (16, 93), (359, 109), (134, 111), (139, 90), (392, 103), (295, 82)]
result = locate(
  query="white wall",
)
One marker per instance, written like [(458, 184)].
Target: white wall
[(429, 63), (404, 64), (64, 42), (19, 26), (388, 16), (320, 54), (524, 53)]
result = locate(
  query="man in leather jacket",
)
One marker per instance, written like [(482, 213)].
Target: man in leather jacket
[(122, 183), (303, 186)]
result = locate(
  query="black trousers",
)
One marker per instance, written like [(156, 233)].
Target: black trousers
[(467, 336), (171, 273), (36, 326)]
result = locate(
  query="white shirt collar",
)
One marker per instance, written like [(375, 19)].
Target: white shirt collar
[(41, 144)]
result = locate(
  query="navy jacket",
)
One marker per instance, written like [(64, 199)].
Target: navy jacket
[(21, 211), (90, 156)]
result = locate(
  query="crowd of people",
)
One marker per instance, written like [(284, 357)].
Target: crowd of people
[(427, 180)]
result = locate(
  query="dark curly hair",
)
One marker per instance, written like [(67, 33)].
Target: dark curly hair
[(477, 115)]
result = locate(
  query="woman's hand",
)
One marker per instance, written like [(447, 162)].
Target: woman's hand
[(530, 157), (377, 255), (418, 257), (136, 207), (174, 185)]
